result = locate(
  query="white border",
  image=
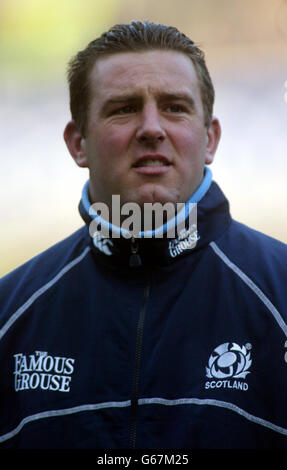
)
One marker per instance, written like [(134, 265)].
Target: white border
[(144, 401), (252, 286), (14, 317)]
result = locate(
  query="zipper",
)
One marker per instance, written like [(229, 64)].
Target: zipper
[(135, 259), (136, 377)]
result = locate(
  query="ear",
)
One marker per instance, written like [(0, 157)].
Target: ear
[(76, 144), (213, 137)]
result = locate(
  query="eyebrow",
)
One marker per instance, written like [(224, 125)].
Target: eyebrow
[(181, 96), (163, 96), (125, 98)]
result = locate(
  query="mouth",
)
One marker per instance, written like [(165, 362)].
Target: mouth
[(152, 164)]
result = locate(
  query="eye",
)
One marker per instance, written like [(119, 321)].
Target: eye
[(175, 108), (128, 109)]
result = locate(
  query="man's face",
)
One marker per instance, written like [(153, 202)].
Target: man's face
[(145, 138)]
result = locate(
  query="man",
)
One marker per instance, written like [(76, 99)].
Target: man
[(146, 342)]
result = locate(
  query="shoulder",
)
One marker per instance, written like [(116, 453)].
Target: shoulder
[(245, 241), (252, 249), (256, 258), (20, 284)]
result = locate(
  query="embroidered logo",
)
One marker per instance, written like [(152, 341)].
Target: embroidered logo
[(186, 240), (103, 244), (229, 361), (42, 371)]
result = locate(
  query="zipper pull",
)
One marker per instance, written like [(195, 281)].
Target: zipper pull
[(135, 259)]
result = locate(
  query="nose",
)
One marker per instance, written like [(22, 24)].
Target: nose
[(150, 130)]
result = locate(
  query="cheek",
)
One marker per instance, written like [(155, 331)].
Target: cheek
[(114, 140), (191, 146), (112, 156)]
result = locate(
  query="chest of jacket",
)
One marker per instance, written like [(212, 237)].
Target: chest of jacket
[(137, 355)]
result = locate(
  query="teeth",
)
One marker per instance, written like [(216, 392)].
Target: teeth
[(151, 163)]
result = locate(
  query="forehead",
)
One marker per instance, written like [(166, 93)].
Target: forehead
[(151, 71)]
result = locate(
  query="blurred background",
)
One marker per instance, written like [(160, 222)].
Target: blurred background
[(245, 42)]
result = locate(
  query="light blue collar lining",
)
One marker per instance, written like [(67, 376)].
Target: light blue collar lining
[(180, 217)]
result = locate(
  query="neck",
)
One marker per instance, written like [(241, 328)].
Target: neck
[(159, 221)]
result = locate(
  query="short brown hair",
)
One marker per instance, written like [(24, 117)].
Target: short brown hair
[(133, 37)]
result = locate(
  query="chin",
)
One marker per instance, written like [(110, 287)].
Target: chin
[(155, 194)]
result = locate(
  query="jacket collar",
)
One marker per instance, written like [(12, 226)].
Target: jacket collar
[(158, 249)]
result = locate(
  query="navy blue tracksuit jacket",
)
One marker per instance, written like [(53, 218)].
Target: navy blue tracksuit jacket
[(185, 351)]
